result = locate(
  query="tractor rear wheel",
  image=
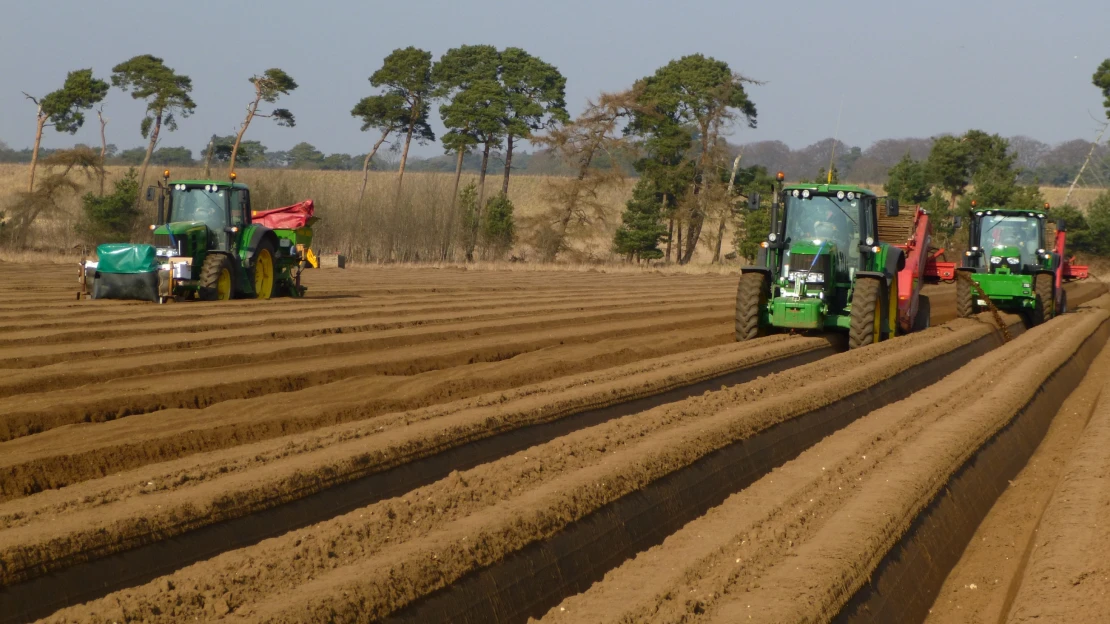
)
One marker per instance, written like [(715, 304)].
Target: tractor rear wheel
[(1043, 305), (263, 272), (217, 278), (866, 313), (751, 296), (924, 313), (965, 303)]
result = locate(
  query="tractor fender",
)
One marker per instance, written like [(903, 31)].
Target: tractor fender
[(254, 236), (895, 261), (756, 269), (883, 277)]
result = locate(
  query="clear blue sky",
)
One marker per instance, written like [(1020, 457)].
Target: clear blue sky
[(903, 68)]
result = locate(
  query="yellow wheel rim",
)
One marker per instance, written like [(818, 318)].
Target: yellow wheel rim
[(223, 285), (893, 307), (264, 274)]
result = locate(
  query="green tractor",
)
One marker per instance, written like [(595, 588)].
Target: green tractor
[(822, 267), (207, 244), (1016, 261)]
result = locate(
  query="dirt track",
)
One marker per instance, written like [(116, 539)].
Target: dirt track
[(399, 432)]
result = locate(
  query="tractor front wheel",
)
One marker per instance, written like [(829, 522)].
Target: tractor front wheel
[(1043, 305), (217, 278), (751, 296), (965, 302), (264, 270), (866, 313)]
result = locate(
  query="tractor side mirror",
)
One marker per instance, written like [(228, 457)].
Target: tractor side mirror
[(150, 193), (753, 201), (891, 207), (957, 221), (1061, 225)]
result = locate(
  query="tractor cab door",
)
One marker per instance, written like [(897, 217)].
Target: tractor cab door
[(239, 206)]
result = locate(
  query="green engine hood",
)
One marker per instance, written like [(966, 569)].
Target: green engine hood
[(1006, 251), (181, 228)]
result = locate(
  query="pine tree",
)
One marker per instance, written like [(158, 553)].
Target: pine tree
[(642, 226)]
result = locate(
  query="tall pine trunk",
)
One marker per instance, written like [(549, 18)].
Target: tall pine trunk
[(482, 177), (150, 147), (40, 124), (508, 165), (454, 202), (408, 140), (472, 242), (208, 158), (239, 137), (103, 146), (366, 167)]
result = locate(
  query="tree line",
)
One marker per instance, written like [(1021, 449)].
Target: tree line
[(669, 129), (946, 175)]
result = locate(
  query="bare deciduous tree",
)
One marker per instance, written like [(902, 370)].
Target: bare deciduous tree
[(593, 137)]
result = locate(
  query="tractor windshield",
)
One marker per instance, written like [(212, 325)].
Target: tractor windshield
[(197, 204), (825, 218), (1008, 230)]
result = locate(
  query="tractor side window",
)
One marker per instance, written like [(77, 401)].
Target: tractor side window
[(238, 210)]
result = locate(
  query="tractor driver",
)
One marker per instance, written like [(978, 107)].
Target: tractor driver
[(832, 225), (210, 212)]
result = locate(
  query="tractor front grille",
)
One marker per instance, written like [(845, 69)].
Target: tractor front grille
[(805, 262), (161, 240)]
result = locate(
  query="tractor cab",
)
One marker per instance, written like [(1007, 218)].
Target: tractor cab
[(825, 229), (202, 215), (1008, 242)]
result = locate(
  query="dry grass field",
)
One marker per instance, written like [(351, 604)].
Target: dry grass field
[(410, 231)]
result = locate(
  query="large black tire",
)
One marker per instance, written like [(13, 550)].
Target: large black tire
[(1044, 286), (215, 265), (751, 296), (264, 286), (965, 300), (924, 314), (865, 312)]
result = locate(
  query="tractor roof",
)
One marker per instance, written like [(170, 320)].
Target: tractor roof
[(1009, 211), (829, 188), (223, 183)]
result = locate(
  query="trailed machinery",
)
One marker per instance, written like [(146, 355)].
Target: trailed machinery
[(823, 267), (209, 244)]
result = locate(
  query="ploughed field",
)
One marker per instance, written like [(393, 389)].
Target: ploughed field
[(416, 445)]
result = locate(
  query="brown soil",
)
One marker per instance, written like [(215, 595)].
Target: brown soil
[(382, 557), (981, 588), (126, 424), (797, 544), (1067, 577)]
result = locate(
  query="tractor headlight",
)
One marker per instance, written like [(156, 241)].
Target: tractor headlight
[(1013, 261), (815, 278), (772, 237), (996, 260), (805, 194), (869, 241)]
